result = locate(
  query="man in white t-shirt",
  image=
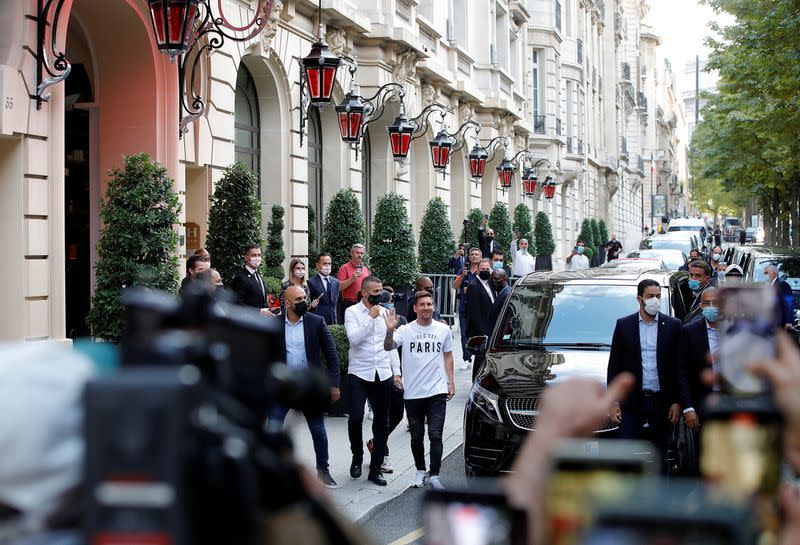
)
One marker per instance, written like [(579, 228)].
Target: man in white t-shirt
[(427, 349), (576, 260)]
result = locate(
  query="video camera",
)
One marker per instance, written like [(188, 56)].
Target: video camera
[(177, 450)]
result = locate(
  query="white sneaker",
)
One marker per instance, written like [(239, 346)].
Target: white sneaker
[(435, 483), (464, 366), (370, 416), (386, 466), (420, 479)]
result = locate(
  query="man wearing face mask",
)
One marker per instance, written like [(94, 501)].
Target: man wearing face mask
[(576, 260), (248, 284), (499, 281), (497, 258), (524, 263), (324, 289), (701, 339), (784, 297), (694, 255), (370, 375), (714, 260), (425, 284), (486, 239), (480, 297), (305, 336), (699, 280), (649, 345)]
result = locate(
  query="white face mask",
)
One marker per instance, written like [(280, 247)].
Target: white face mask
[(254, 262), (325, 270), (716, 257), (299, 274), (652, 306)]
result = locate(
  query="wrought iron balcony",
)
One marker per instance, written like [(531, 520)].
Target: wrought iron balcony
[(539, 124)]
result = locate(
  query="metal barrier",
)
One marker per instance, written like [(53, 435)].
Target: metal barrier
[(445, 296)]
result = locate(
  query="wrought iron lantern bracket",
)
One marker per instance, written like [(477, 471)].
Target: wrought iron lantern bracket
[(60, 68)]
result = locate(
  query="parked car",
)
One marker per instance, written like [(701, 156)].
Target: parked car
[(751, 234), (696, 225), (635, 264), (730, 229), (554, 326), (683, 241), (673, 259)]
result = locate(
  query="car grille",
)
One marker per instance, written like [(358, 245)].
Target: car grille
[(524, 410)]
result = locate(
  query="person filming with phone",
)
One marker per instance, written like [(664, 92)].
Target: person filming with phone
[(576, 260), (350, 277)]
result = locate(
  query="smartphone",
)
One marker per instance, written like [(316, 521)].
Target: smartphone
[(486, 216), (584, 474), (747, 327), (741, 453), (479, 515)]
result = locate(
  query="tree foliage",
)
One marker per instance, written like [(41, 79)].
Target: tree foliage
[(234, 220), (392, 257), (603, 231), (500, 222), (274, 256), (344, 226), (470, 231), (138, 243), (597, 236), (545, 245), (523, 222), (747, 146), (436, 242)]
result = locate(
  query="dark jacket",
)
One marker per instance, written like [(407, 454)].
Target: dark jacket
[(695, 337), (626, 355), (783, 292), (248, 289), (497, 306), (327, 303), (487, 245), (318, 341), (479, 310), (457, 264)]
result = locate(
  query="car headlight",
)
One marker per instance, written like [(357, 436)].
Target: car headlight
[(487, 402)]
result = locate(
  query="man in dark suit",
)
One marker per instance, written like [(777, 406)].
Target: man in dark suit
[(694, 255), (486, 240), (699, 280), (248, 284), (499, 281), (480, 297), (783, 294), (304, 337), (701, 338), (324, 289), (648, 344)]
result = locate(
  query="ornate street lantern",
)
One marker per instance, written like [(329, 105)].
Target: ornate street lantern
[(477, 161), (351, 116), (440, 150), (505, 172), (320, 71), (400, 135), (529, 180), (549, 188), (173, 22)]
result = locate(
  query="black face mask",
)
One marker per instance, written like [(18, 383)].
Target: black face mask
[(489, 238), (484, 275), (374, 299), (498, 286), (300, 308)]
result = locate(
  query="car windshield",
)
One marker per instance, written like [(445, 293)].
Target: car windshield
[(673, 260), (788, 267), (674, 228), (683, 245), (566, 314), (633, 263)]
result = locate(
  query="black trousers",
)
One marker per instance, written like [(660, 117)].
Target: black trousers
[(396, 410), (433, 410), (651, 409), (378, 393)]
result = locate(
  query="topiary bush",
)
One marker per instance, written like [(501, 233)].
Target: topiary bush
[(586, 234), (234, 220), (500, 222), (545, 245), (392, 257), (342, 347), (436, 242), (603, 231), (597, 235), (274, 255), (273, 285), (470, 233), (344, 226), (313, 243), (138, 243), (523, 222)]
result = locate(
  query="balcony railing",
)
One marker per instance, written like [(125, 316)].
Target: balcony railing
[(626, 71), (569, 144), (558, 15), (539, 124), (580, 146), (558, 126), (580, 51)]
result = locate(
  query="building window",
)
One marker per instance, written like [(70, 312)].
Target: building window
[(315, 169), (536, 87), (425, 9), (558, 15), (247, 124), (366, 182), (460, 23)]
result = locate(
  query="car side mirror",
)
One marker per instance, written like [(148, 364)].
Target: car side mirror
[(476, 346)]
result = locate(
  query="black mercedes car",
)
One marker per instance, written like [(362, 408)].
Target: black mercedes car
[(555, 326)]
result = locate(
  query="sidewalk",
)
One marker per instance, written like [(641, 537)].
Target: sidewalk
[(357, 498)]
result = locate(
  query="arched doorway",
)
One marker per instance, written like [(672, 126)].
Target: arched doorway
[(315, 196)]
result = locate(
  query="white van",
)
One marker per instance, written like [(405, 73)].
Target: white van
[(687, 224)]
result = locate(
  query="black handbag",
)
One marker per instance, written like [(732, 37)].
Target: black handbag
[(682, 452)]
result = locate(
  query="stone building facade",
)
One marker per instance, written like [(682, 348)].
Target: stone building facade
[(550, 75)]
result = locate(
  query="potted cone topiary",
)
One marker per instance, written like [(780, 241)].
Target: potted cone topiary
[(342, 343), (587, 236), (274, 255), (545, 245), (138, 243), (500, 222), (392, 257), (599, 243), (344, 226), (436, 242), (469, 233)]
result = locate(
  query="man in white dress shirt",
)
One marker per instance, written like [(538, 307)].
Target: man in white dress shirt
[(523, 262), (370, 375)]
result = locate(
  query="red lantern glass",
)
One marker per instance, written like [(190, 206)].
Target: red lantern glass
[(505, 172), (320, 69), (477, 161), (400, 137), (351, 114), (173, 21), (440, 150), (549, 188), (529, 180)]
